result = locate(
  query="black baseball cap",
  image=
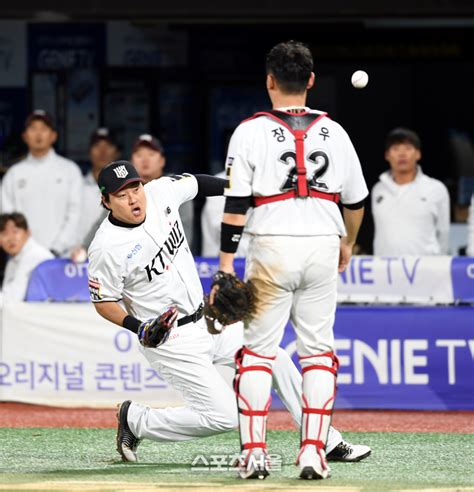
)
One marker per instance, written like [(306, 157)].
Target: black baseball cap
[(147, 140), (402, 136), (41, 115), (117, 175), (102, 134)]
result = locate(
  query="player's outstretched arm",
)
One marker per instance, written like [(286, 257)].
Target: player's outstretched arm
[(151, 333), (111, 311), (210, 185)]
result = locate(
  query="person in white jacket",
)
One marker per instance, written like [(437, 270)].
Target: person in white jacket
[(25, 255), (45, 187), (411, 211)]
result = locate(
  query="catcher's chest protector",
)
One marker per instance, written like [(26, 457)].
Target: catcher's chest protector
[(298, 125)]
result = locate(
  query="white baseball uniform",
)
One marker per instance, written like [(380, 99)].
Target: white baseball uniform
[(292, 258), (48, 192), (149, 268)]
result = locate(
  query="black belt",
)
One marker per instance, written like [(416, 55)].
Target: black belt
[(192, 318)]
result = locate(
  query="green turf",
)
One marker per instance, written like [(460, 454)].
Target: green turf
[(399, 460)]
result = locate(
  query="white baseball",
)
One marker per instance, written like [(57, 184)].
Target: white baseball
[(359, 79)]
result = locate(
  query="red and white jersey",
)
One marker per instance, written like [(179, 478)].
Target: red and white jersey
[(261, 161), (149, 267)]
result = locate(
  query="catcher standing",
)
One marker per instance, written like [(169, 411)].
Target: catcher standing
[(294, 165)]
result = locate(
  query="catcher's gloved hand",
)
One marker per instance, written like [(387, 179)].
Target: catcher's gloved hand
[(154, 332), (231, 300)]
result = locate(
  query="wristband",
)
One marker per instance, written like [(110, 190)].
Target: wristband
[(131, 323), (230, 237)]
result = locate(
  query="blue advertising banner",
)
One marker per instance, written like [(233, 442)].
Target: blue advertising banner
[(66, 46), (397, 357), (462, 275)]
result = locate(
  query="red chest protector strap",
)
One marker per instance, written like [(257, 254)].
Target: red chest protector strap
[(302, 189)]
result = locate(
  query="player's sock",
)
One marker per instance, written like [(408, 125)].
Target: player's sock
[(319, 391), (253, 382)]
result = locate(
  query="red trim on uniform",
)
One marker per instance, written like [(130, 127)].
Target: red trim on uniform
[(264, 200)]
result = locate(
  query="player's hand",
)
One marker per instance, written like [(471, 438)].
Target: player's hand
[(345, 253), (154, 332)]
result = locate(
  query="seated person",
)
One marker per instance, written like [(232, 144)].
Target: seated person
[(25, 254)]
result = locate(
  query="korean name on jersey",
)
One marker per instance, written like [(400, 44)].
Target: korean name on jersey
[(261, 162), (148, 267)]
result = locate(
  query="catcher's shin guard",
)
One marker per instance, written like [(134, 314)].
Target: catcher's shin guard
[(252, 385), (319, 392)]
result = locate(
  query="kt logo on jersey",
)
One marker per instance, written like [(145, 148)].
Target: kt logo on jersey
[(168, 251)]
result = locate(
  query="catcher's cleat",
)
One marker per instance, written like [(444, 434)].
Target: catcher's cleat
[(254, 467), (349, 453), (127, 443), (309, 473), (313, 464)]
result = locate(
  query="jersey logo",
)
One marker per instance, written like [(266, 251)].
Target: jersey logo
[(317, 157), (169, 249), (121, 172)]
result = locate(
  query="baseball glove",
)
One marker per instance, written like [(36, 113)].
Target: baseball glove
[(155, 331), (232, 300)]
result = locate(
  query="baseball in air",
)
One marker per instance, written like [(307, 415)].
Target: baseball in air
[(359, 79)]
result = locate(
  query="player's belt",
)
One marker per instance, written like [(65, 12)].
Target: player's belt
[(192, 318), (263, 200)]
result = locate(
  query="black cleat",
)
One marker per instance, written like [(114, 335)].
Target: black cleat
[(127, 443), (349, 453), (309, 473)]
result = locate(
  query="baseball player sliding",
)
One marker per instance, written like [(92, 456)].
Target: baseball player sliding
[(294, 165), (142, 276)]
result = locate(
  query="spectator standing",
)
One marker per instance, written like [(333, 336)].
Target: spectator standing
[(25, 255), (148, 157), (45, 187), (103, 149), (411, 210)]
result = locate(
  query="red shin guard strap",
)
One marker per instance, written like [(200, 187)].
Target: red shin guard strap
[(247, 351), (252, 445), (254, 368), (317, 411), (253, 413), (318, 444), (332, 370)]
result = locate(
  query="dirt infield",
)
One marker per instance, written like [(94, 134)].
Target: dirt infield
[(23, 415)]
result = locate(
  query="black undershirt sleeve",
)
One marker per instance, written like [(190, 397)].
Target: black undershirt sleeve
[(238, 204), (354, 206), (210, 185)]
